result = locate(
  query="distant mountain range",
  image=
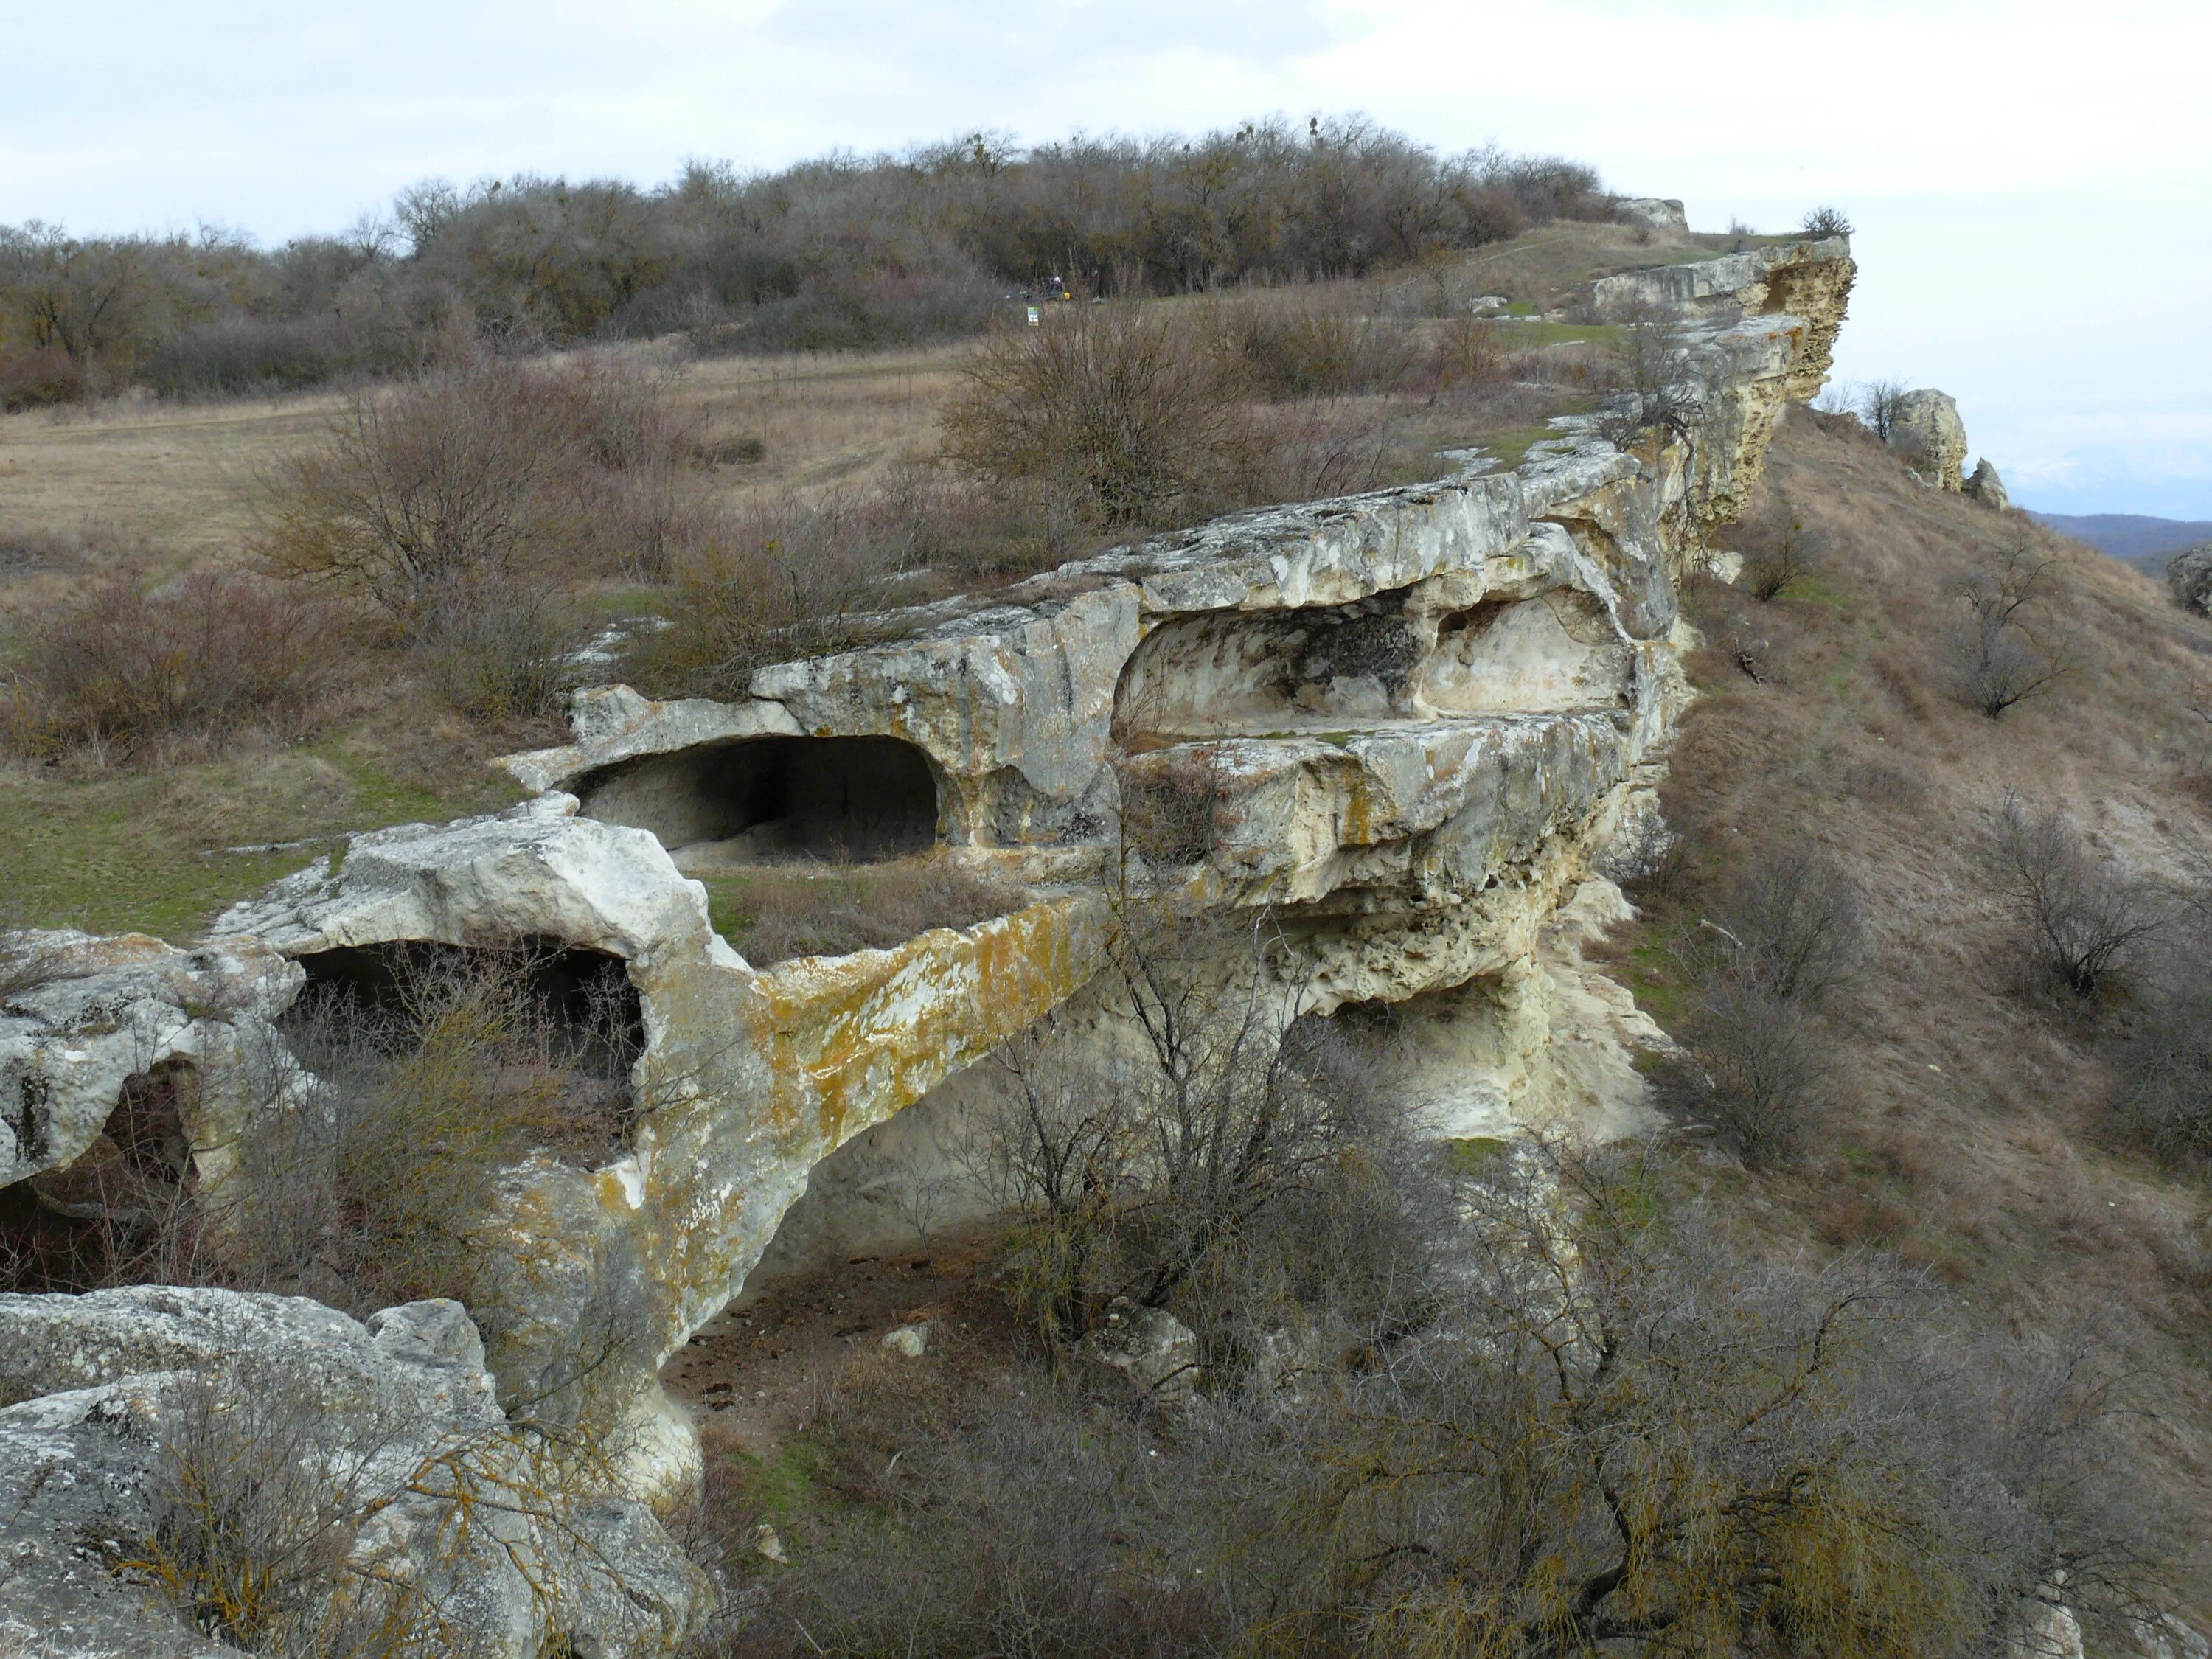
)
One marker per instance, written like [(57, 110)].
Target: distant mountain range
[(2144, 543)]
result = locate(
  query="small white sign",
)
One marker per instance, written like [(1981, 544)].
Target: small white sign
[(1034, 318)]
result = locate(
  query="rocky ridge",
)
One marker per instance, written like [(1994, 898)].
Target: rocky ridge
[(1413, 723)]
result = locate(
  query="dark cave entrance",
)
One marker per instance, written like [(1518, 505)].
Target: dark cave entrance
[(761, 800)]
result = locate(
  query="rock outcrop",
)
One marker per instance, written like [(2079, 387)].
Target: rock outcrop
[(2189, 578), (1409, 723), (1927, 432), (81, 1019), (370, 1465), (1653, 212), (1986, 487)]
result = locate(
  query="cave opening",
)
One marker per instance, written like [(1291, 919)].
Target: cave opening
[(1257, 673), (531, 1029), (757, 800), (124, 1210)]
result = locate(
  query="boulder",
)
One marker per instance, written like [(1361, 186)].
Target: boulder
[(1985, 486), (374, 1457), (1148, 1348), (1653, 212), (2189, 578), (1927, 432), (81, 1017)]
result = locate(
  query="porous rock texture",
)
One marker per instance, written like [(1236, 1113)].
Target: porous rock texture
[(1654, 212), (1986, 487), (2189, 578), (406, 1472), (81, 1017), (1413, 723), (1927, 432)]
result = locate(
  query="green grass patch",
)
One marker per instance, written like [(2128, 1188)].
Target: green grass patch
[(151, 851), (1509, 448), (783, 1486), (1471, 1155)]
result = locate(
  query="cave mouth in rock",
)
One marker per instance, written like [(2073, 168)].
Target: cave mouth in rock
[(124, 1209), (578, 1003), (757, 800), (530, 1034), (1257, 673)]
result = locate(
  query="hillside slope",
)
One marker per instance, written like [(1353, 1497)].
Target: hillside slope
[(1972, 1130)]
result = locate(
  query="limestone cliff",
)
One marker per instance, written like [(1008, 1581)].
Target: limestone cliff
[(1414, 722)]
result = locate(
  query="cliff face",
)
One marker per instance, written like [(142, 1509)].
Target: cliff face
[(1413, 723)]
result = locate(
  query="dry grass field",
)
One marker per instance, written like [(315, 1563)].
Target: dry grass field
[(1972, 1128), (148, 491)]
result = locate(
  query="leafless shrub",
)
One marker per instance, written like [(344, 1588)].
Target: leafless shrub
[(32, 377), (790, 574), (1793, 924), (1208, 1167), (1826, 222), (1781, 553), (1319, 448), (1880, 403), (2080, 916), (498, 649), (1131, 412), (1297, 344), (1674, 1436), (1757, 1067), (2165, 1066), (1787, 933), (2004, 654), (253, 1513), (483, 469), (1612, 1423), (114, 668), (1650, 361)]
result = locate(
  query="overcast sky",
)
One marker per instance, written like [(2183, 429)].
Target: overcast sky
[(2032, 180)]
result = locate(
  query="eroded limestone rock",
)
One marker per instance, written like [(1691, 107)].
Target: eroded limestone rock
[(382, 1445), (1409, 721), (2189, 578), (1986, 487), (86, 1015), (1927, 432), (1656, 212)]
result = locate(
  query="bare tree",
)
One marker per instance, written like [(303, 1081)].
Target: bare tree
[(1652, 360), (2081, 915), (1826, 222), (2004, 654), (1880, 402), (1783, 554)]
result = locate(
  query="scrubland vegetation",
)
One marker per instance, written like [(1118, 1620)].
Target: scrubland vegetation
[(1890, 1343), (842, 253)]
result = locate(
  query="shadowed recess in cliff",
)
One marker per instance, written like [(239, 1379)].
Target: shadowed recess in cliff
[(760, 799)]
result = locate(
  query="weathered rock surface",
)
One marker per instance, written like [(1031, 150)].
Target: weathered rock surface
[(386, 1435), (746, 1079), (1148, 1348), (1657, 212), (2189, 578), (1986, 487), (87, 1015), (1410, 721), (1927, 432)]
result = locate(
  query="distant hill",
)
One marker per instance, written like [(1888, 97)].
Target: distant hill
[(2144, 543)]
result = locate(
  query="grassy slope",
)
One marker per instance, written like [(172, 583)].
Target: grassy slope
[(163, 488), (1972, 1133)]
